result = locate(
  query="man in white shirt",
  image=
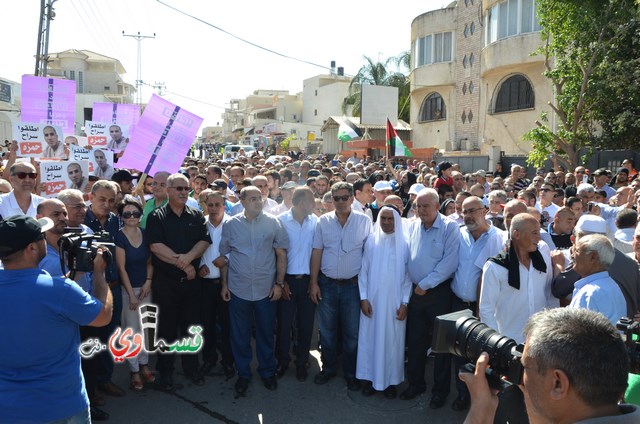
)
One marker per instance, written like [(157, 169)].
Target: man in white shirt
[(20, 200), (546, 206), (268, 205), (517, 282), (363, 194), (214, 309), (295, 304)]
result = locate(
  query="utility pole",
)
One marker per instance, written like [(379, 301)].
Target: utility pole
[(42, 53), (159, 86), (139, 38)]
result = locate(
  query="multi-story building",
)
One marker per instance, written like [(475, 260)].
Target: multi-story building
[(98, 78), (9, 107), (475, 87)]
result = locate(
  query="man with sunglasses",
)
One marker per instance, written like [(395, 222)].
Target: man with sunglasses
[(545, 205), (336, 259), (21, 199), (177, 236)]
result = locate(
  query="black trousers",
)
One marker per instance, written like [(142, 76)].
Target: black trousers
[(178, 304), (90, 366), (301, 310), (458, 304), (215, 312), (421, 313)]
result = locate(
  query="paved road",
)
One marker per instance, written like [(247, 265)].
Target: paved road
[(293, 402)]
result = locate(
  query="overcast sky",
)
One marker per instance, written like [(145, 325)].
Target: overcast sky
[(203, 63)]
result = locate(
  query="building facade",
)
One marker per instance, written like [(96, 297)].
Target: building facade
[(475, 87)]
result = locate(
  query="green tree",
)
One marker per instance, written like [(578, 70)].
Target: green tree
[(381, 73), (584, 43)]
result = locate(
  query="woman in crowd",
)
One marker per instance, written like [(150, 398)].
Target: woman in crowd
[(134, 265)]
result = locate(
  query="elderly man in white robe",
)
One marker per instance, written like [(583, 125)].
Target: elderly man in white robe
[(384, 294)]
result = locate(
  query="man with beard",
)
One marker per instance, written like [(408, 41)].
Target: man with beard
[(478, 242), (78, 181), (55, 149), (118, 141), (103, 169)]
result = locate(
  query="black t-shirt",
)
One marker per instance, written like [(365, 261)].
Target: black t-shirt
[(179, 233)]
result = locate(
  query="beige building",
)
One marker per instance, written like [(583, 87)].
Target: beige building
[(475, 88), (10, 93)]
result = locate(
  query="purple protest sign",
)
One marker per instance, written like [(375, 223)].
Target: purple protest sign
[(124, 114), (49, 101), (162, 138)]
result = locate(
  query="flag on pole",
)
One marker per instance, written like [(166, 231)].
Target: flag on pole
[(348, 131), (396, 147)]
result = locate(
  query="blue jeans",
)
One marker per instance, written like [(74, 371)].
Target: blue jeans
[(243, 313), (340, 305)]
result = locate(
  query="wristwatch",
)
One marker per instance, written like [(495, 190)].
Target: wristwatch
[(280, 284)]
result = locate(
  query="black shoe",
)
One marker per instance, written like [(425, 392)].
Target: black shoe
[(229, 371), (461, 403), (270, 383), (437, 401), (301, 373), (353, 384), (411, 392), (165, 383), (196, 378), (390, 392), (281, 370), (98, 414), (242, 384), (367, 389), (323, 377), (206, 368)]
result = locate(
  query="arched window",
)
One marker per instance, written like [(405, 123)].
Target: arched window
[(515, 93), (433, 108)]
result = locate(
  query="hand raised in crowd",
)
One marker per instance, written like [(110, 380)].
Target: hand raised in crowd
[(275, 293), (366, 308), (314, 293), (401, 314)]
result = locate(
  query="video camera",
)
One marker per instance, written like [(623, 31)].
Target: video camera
[(631, 327), (78, 249), (461, 334)]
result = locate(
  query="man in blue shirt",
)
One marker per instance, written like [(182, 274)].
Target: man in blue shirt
[(41, 381)]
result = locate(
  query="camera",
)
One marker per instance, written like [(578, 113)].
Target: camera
[(78, 249), (461, 334), (630, 328)]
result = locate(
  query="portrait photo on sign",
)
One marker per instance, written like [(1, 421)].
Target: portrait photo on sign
[(118, 137), (39, 140), (101, 163), (76, 174)]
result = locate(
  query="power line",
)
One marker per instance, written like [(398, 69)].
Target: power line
[(184, 97), (242, 39)]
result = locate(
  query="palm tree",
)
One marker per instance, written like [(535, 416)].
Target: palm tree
[(378, 73)]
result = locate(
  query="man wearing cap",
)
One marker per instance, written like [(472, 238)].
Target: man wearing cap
[(43, 384), (381, 190), (621, 179), (600, 179), (481, 178), (286, 192), (21, 199), (623, 269)]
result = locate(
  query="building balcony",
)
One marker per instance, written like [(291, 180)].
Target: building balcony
[(433, 75), (510, 52)]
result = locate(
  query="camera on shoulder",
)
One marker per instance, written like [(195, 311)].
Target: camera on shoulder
[(78, 249)]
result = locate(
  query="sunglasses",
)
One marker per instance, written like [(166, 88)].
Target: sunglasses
[(180, 188), (340, 198), (127, 215), (23, 175)]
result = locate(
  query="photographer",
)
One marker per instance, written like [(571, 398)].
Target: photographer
[(41, 380), (575, 370)]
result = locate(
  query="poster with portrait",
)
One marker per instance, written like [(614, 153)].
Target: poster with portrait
[(97, 133), (77, 140), (122, 114), (77, 174), (118, 137), (38, 140), (101, 163), (52, 177)]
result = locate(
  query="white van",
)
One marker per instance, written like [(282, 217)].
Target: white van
[(231, 150)]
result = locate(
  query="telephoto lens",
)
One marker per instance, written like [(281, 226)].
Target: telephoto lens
[(461, 334)]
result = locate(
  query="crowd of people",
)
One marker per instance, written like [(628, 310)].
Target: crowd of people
[(372, 251)]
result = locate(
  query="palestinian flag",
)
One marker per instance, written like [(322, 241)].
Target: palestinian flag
[(396, 147), (348, 131)]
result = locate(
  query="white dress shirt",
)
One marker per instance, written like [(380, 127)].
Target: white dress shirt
[(300, 242), (213, 251), (9, 205), (506, 309)]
